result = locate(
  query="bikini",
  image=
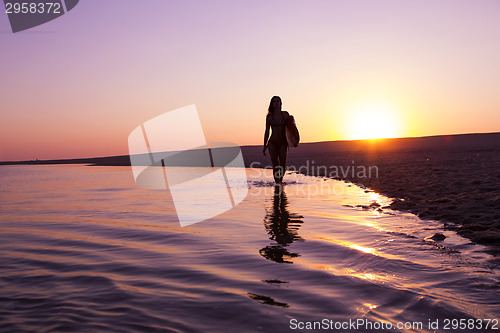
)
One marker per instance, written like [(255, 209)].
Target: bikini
[(274, 123)]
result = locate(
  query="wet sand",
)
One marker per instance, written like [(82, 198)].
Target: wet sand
[(462, 189)]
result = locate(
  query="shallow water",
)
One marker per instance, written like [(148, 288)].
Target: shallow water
[(83, 248)]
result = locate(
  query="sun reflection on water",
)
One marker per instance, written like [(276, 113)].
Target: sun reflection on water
[(351, 245)]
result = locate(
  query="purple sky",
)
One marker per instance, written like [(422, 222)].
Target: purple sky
[(78, 85)]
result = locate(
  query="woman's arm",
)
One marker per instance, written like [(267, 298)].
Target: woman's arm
[(266, 135)]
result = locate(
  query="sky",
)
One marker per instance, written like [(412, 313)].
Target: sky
[(77, 86)]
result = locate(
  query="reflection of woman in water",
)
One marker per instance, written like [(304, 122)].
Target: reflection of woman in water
[(278, 146), (282, 226)]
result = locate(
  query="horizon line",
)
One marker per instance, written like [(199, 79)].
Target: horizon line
[(257, 145)]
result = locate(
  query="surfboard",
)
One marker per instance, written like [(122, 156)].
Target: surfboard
[(292, 133)]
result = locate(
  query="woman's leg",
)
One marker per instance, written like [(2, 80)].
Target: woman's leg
[(282, 155), (274, 151)]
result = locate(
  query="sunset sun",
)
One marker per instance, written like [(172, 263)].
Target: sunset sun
[(373, 122)]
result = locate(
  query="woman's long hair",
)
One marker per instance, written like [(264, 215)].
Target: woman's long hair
[(271, 109)]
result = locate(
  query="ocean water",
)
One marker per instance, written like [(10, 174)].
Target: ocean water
[(82, 248)]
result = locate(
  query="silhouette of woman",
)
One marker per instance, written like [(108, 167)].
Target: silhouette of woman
[(278, 146)]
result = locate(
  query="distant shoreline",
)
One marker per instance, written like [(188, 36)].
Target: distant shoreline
[(476, 141)]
